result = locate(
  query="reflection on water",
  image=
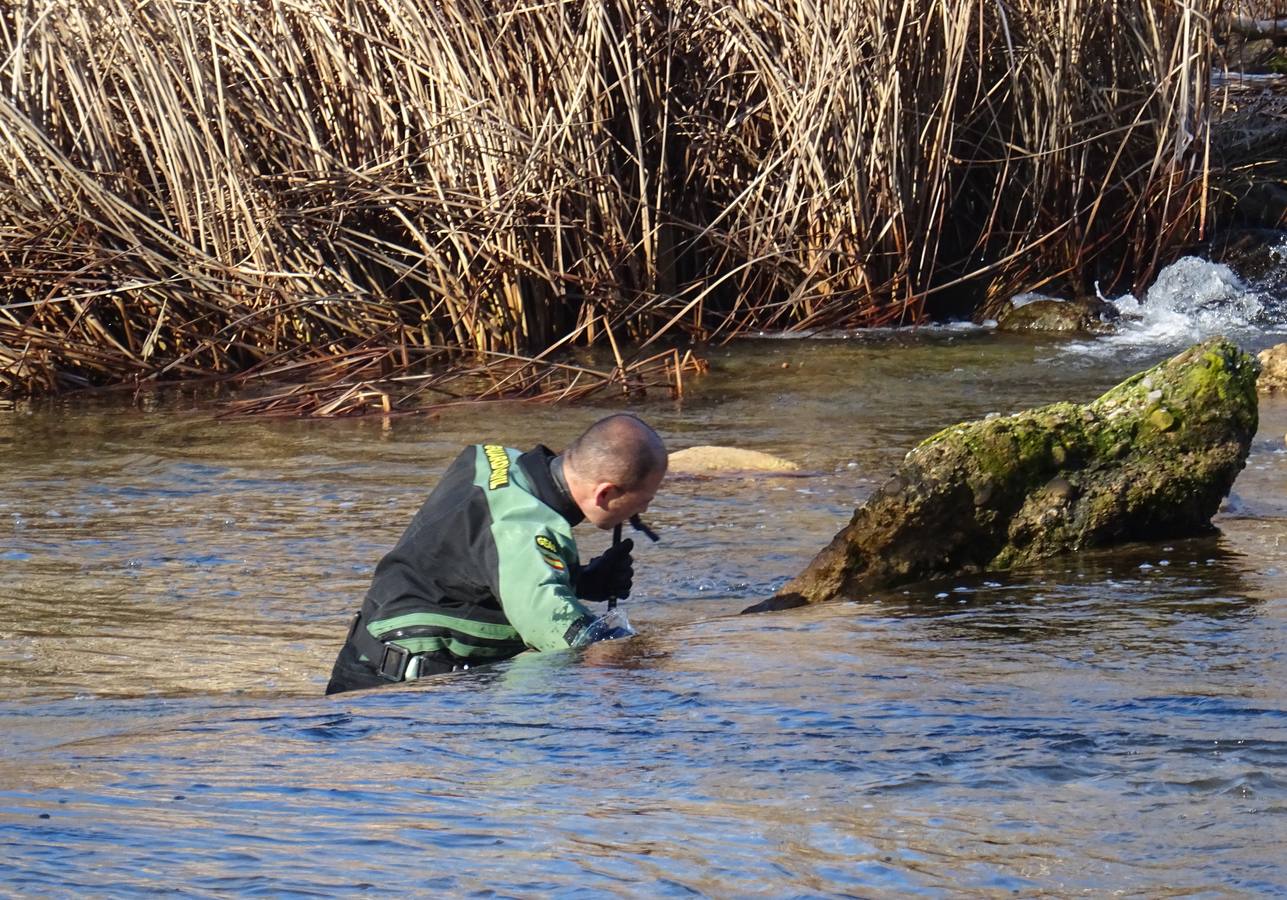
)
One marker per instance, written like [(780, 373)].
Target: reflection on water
[(172, 591)]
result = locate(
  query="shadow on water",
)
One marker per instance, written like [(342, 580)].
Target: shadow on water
[(1077, 592)]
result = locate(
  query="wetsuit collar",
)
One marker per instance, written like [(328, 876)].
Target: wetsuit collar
[(545, 470)]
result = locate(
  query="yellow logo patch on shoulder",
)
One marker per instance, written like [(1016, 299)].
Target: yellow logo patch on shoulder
[(549, 552), (498, 462)]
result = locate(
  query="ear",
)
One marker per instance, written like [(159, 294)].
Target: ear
[(604, 493)]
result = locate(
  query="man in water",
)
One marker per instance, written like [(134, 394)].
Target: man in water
[(488, 567)]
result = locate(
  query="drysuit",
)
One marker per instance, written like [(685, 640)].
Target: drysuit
[(487, 569)]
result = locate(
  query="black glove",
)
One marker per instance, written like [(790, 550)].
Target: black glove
[(609, 575)]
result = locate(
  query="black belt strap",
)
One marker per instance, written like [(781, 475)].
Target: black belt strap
[(390, 660)]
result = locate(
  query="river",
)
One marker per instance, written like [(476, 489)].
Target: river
[(173, 589)]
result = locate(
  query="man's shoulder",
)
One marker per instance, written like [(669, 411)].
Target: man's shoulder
[(496, 468), (513, 492)]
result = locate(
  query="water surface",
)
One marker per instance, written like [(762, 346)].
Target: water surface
[(173, 589)]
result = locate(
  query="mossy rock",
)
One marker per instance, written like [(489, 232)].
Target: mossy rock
[(1149, 460), (1087, 315)]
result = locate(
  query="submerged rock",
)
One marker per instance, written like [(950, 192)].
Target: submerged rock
[(712, 460), (1088, 315), (1151, 459)]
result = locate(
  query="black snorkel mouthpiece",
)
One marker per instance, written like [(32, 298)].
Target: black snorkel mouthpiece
[(638, 525)]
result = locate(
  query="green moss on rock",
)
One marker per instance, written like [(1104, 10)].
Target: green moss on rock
[(1151, 459), (1087, 315)]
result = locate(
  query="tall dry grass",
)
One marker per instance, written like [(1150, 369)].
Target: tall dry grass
[(349, 189)]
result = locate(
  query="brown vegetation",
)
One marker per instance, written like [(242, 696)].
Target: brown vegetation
[(343, 192)]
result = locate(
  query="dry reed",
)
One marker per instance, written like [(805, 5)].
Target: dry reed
[(340, 192)]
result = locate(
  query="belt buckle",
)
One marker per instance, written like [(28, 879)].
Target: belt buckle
[(393, 665)]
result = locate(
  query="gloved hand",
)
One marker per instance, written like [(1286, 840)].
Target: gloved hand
[(609, 575)]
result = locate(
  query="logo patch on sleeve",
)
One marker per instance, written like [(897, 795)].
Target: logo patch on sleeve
[(498, 464), (549, 552)]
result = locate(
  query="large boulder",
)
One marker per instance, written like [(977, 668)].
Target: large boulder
[(1149, 460)]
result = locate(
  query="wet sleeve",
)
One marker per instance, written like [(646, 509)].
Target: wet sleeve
[(533, 581)]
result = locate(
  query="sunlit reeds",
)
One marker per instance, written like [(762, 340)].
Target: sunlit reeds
[(343, 191)]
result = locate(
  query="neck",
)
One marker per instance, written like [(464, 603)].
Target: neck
[(580, 489)]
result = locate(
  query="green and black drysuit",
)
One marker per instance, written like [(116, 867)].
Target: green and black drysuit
[(485, 570)]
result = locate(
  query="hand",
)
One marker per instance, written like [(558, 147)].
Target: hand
[(607, 576)]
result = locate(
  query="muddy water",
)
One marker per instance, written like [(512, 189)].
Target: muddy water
[(173, 589)]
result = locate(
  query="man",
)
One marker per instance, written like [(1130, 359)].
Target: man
[(488, 567)]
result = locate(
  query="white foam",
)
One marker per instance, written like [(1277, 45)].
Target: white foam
[(1191, 300)]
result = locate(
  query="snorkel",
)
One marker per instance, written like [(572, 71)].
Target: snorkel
[(638, 525)]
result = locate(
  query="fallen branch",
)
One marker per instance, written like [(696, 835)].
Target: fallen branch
[(512, 377)]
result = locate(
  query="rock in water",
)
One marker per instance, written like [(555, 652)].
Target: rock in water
[(1273, 368), (711, 460), (1151, 459), (1087, 315)]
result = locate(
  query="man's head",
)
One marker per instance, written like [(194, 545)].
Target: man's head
[(614, 468)]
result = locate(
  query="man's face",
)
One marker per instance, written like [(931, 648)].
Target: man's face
[(616, 506)]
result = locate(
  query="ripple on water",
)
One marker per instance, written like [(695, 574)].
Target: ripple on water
[(1106, 722)]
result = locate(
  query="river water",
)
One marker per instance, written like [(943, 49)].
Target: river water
[(173, 589)]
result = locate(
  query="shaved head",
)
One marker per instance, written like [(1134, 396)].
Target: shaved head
[(621, 449)]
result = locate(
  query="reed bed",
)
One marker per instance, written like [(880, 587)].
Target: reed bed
[(343, 192)]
